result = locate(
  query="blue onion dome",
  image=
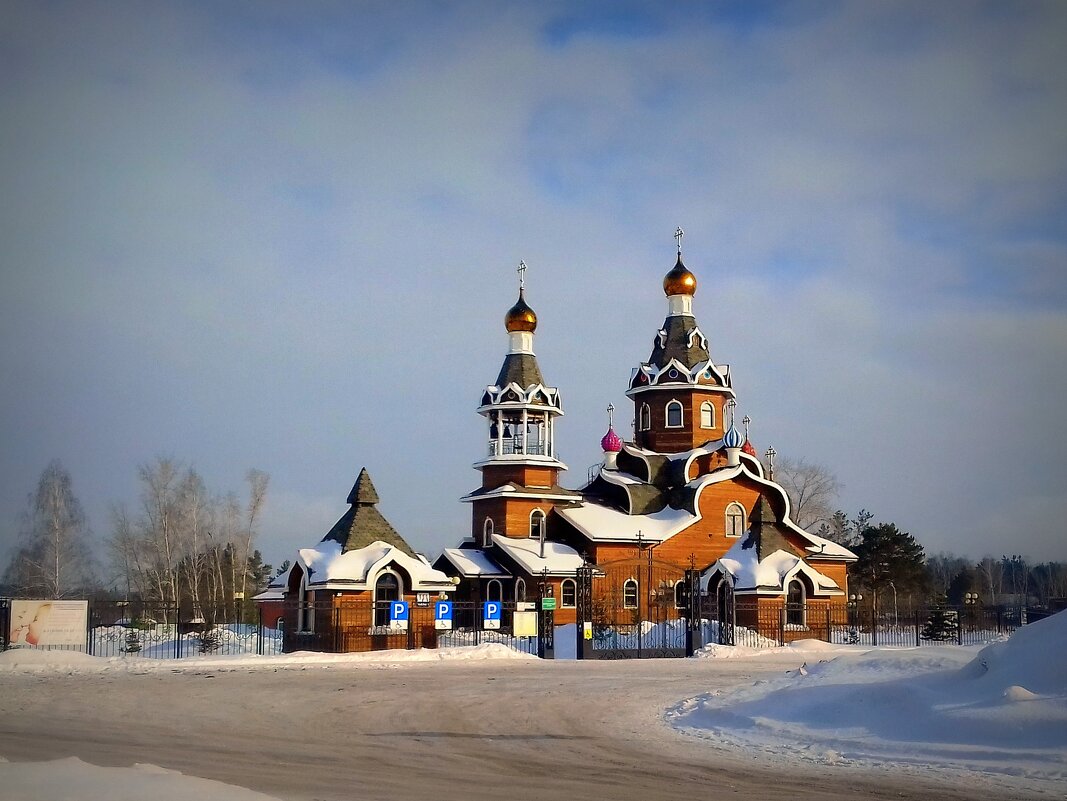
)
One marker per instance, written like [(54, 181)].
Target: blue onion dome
[(733, 438)]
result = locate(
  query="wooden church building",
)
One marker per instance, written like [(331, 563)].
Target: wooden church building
[(688, 492)]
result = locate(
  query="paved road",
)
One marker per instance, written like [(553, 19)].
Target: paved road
[(481, 730)]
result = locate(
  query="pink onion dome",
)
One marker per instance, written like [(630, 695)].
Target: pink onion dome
[(749, 449), (611, 442)]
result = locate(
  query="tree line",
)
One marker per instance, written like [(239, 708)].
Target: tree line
[(182, 546), (891, 562)]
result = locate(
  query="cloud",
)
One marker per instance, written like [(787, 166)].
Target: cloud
[(256, 236)]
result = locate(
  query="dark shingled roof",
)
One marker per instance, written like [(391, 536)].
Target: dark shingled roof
[(676, 344), (363, 523), (521, 369), (765, 532)]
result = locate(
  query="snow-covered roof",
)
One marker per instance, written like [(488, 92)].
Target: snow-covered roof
[(602, 523), (558, 558), (513, 490), (616, 476), (472, 563), (824, 547), (328, 567), (271, 594), (817, 546), (769, 575)]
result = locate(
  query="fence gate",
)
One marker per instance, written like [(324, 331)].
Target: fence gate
[(633, 609)]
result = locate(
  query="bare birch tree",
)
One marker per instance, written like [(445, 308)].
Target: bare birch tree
[(257, 493), (812, 490), (54, 557)]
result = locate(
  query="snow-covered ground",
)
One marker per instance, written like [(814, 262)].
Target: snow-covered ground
[(27, 660), (976, 722), (1001, 710)]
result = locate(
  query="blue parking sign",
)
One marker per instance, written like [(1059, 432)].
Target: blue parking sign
[(491, 615), (442, 615), (398, 615)]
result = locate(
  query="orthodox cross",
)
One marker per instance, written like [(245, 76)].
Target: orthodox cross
[(611, 412), (678, 234), (730, 406), (745, 421), (770, 454), (522, 274)]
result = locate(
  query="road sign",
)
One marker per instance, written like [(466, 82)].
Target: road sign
[(398, 615), (442, 615), (491, 615), (525, 606), (548, 603), (524, 624)]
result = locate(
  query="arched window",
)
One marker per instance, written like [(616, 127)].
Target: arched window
[(794, 603), (537, 524), (629, 594), (674, 414), (520, 589), (487, 532), (735, 520), (305, 610), (493, 591), (386, 589), (707, 415), (568, 594), (645, 418), (679, 595)]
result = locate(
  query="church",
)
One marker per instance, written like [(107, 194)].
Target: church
[(688, 497), (689, 492)]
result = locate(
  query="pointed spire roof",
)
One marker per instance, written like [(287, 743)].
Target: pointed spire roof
[(765, 532), (363, 491), (363, 524)]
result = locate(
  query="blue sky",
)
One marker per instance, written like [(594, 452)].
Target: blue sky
[(283, 236)]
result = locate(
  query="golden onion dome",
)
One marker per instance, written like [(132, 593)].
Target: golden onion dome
[(679, 281), (520, 317)]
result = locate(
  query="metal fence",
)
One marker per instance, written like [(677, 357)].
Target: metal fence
[(766, 626), (125, 629), (365, 626)]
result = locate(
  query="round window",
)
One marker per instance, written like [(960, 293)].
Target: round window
[(673, 373)]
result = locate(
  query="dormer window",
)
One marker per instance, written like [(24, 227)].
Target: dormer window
[(645, 418), (707, 415), (537, 524), (674, 414), (735, 520)]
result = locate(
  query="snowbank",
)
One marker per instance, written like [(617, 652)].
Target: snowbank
[(1000, 713), (25, 660), (73, 779)]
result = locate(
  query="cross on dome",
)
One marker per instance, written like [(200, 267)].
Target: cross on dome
[(521, 270), (678, 234), (611, 412)]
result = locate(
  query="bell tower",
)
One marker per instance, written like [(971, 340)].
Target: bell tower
[(680, 395), (520, 471)]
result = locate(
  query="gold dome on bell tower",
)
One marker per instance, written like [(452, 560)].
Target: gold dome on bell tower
[(521, 317), (679, 281)]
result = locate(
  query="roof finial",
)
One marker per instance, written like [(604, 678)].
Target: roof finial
[(611, 413), (745, 421), (522, 275), (770, 454), (730, 406), (678, 234)]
